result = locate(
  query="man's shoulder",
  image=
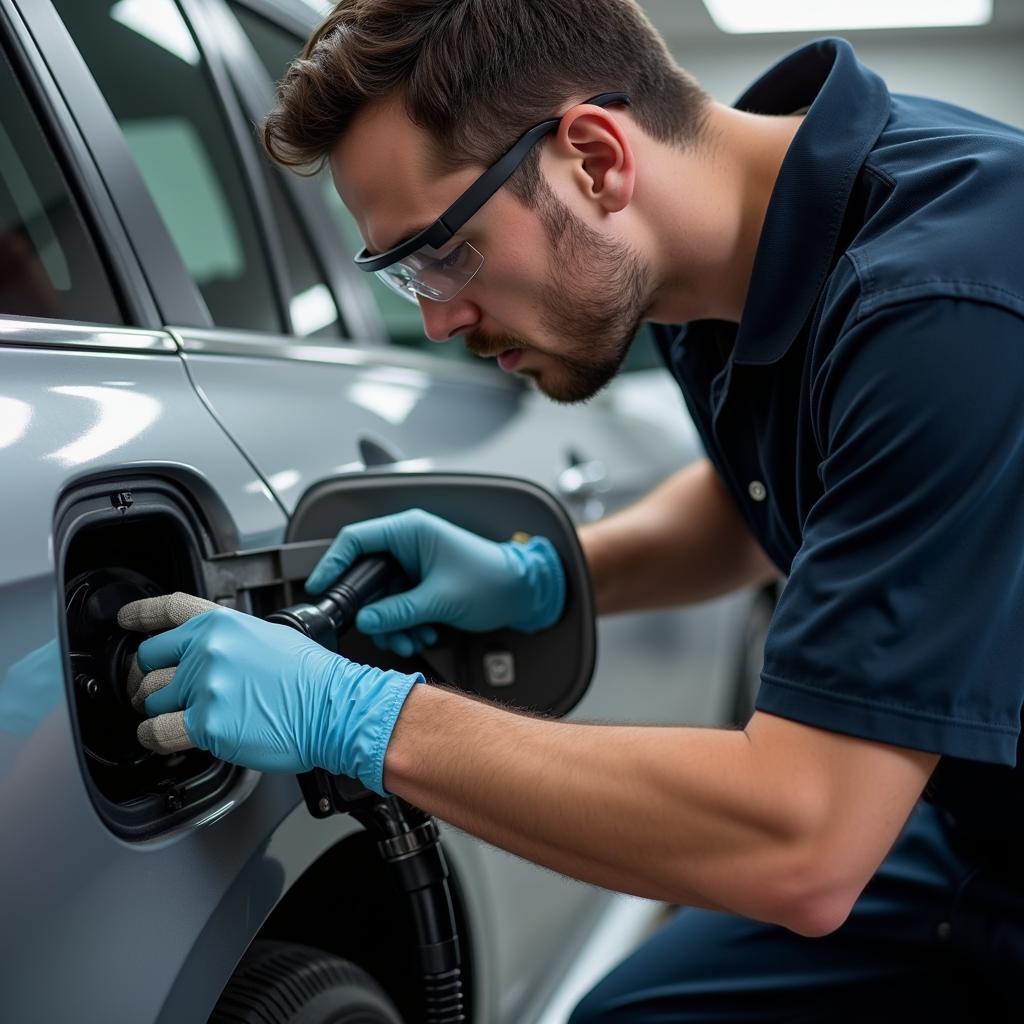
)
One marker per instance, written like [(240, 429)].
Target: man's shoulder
[(945, 212)]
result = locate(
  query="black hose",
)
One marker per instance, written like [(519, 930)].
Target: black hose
[(411, 849), (442, 998), (408, 839)]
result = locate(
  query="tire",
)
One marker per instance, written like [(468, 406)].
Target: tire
[(751, 660), (285, 983)]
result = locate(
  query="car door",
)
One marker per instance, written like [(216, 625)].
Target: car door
[(93, 394)]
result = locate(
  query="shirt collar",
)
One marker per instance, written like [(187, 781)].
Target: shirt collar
[(848, 106)]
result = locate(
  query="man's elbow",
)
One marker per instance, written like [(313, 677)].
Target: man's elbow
[(816, 899), (815, 918)]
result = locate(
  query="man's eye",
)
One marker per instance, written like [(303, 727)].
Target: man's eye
[(452, 259)]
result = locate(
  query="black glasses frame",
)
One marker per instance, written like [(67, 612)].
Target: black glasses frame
[(438, 233)]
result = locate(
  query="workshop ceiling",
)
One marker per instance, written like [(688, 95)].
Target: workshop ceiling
[(683, 22)]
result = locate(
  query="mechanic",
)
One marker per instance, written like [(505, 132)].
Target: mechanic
[(847, 266)]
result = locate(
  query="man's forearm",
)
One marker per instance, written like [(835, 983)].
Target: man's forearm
[(682, 543), (686, 815)]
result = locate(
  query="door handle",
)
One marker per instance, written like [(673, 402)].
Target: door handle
[(374, 452), (582, 485), (583, 480)]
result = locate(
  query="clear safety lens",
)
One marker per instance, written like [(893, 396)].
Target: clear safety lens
[(434, 276)]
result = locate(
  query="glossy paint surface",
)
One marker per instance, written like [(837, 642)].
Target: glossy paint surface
[(75, 900)]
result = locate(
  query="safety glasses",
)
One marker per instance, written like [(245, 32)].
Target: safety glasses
[(420, 266)]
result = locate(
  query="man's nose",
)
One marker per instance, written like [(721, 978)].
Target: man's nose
[(443, 321)]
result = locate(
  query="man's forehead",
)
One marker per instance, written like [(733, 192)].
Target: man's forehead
[(385, 175)]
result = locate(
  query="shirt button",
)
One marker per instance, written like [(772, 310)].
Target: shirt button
[(757, 490)]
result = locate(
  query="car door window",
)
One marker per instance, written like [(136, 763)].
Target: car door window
[(277, 48), (152, 74), (49, 266)]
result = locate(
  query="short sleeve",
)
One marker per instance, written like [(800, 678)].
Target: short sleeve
[(903, 617)]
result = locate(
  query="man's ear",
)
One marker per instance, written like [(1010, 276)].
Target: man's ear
[(596, 144)]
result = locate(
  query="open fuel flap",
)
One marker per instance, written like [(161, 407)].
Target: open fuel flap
[(547, 671), (123, 539)]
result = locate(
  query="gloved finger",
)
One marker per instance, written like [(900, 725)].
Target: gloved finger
[(154, 614), (425, 636), (420, 637), (398, 612), (163, 699), (150, 683), (168, 648), (165, 734), (135, 675), (406, 643), (343, 551), (369, 537), (400, 643)]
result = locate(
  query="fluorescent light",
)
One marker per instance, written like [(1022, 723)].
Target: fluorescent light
[(803, 16)]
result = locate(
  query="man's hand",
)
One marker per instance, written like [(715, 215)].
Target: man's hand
[(464, 580), (257, 693)]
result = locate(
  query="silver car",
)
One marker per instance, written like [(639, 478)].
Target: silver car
[(188, 365)]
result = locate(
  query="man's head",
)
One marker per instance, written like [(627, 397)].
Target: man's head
[(411, 100)]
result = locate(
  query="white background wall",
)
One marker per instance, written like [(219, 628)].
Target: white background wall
[(981, 68)]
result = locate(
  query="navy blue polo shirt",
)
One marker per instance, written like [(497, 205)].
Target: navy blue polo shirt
[(867, 416)]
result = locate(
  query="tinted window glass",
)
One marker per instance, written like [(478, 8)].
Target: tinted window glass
[(48, 265), (147, 63), (277, 48)]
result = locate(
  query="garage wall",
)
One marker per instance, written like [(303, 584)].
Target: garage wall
[(985, 75), (980, 67)]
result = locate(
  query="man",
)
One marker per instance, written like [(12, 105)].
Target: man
[(847, 263)]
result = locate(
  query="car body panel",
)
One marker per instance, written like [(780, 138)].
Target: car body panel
[(75, 898)]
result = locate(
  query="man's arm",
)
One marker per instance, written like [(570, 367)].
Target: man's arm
[(780, 822), (684, 542)]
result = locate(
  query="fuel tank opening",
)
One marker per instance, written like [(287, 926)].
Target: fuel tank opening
[(112, 551)]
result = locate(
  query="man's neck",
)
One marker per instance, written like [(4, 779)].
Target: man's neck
[(707, 207)]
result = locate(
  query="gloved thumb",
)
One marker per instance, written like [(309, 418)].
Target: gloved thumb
[(399, 611)]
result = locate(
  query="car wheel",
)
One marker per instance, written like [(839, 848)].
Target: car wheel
[(285, 983), (751, 660)]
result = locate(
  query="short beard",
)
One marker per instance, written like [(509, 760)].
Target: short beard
[(595, 303)]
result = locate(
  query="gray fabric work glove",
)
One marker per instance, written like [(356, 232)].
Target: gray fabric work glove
[(165, 734)]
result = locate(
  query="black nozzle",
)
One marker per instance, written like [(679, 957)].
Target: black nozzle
[(335, 611)]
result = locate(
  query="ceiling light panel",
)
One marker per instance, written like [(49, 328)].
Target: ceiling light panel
[(828, 15)]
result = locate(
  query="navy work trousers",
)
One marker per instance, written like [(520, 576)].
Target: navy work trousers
[(938, 935)]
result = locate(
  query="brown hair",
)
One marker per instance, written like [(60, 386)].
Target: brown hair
[(476, 74)]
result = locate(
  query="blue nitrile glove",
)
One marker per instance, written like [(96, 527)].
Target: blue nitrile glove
[(462, 579), (256, 693)]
